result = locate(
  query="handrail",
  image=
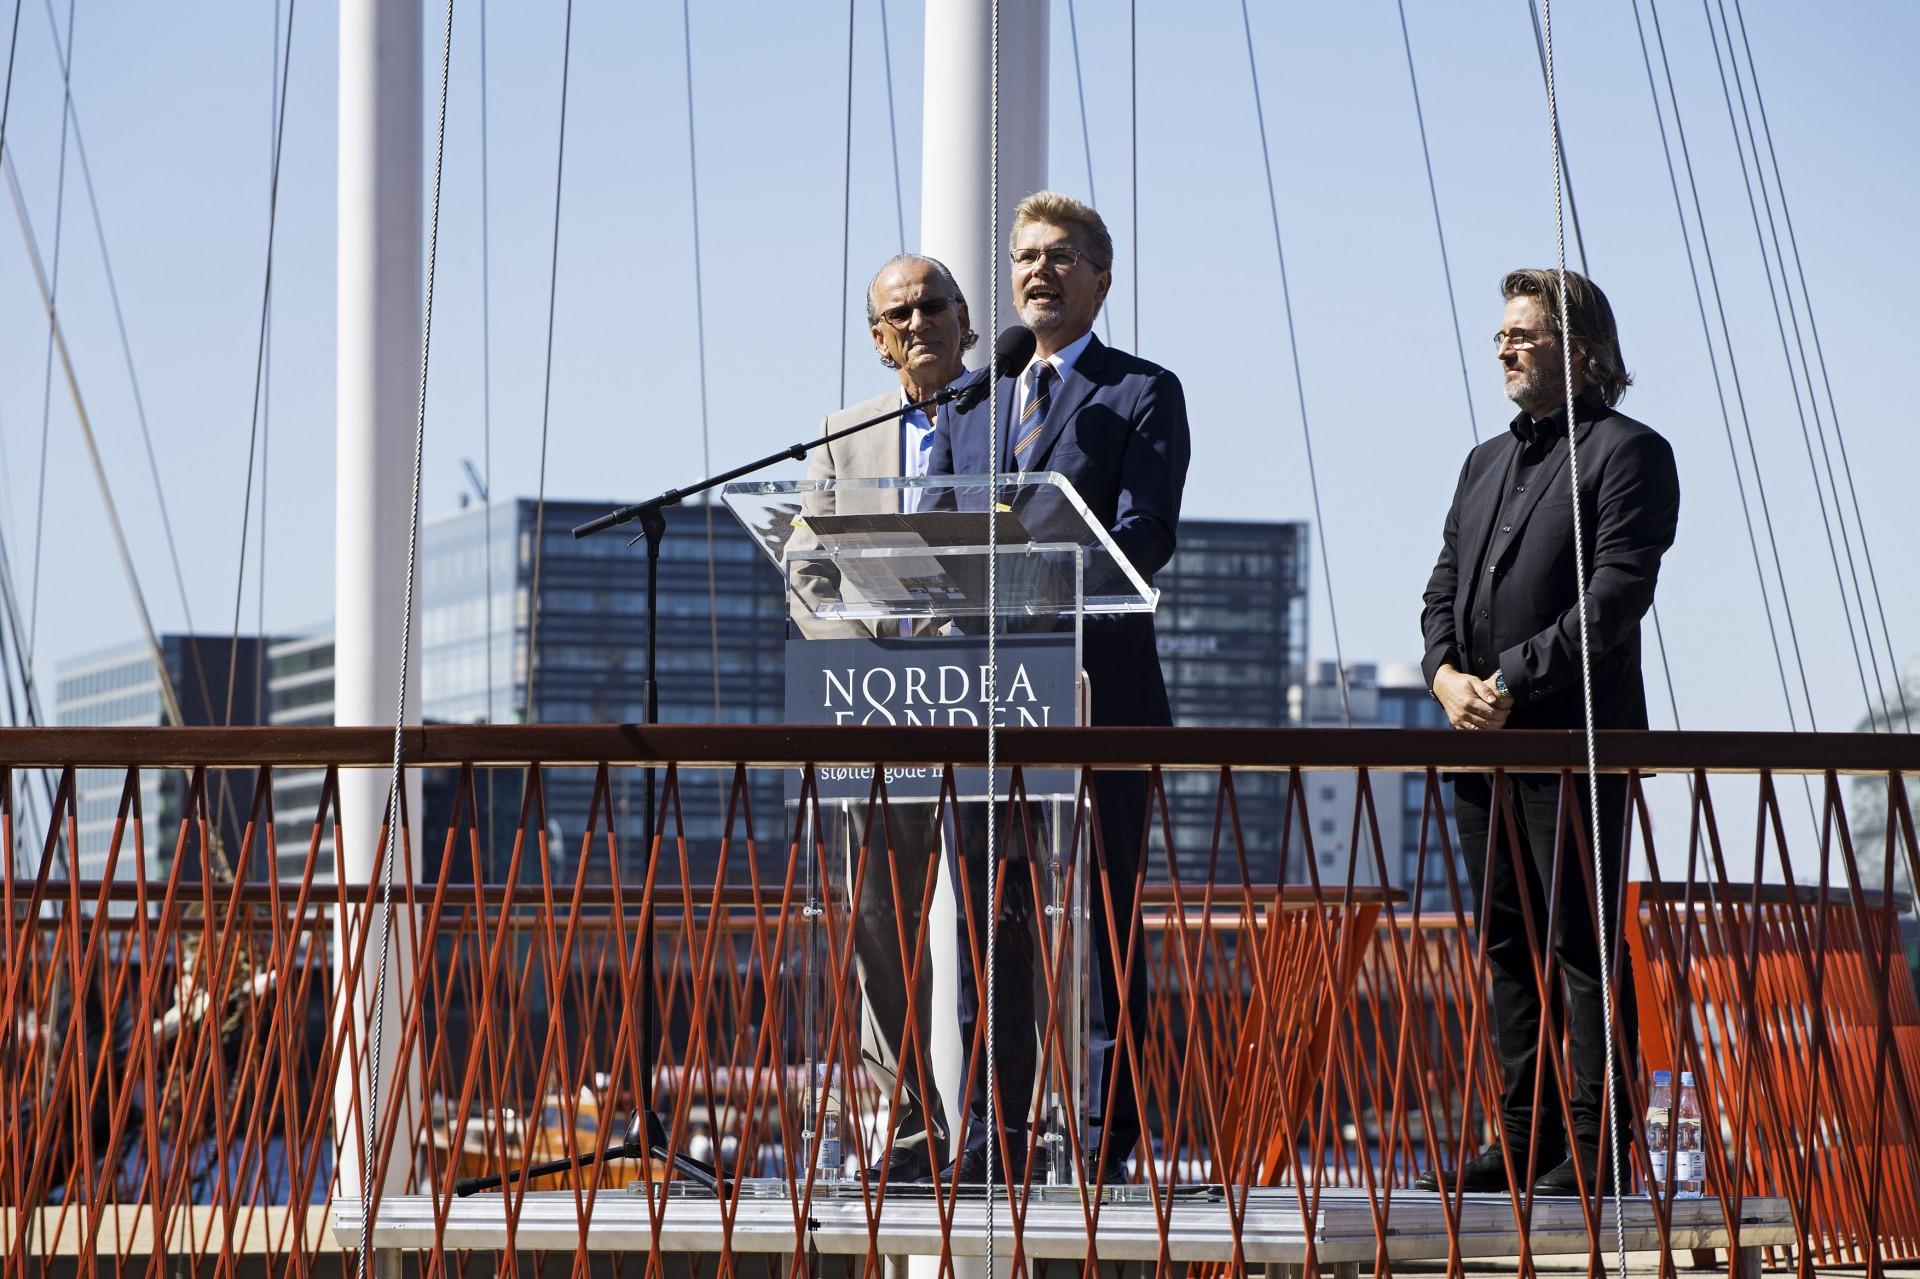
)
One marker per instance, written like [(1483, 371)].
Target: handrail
[(794, 745)]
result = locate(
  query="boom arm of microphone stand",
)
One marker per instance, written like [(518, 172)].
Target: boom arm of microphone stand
[(796, 452), (645, 1136)]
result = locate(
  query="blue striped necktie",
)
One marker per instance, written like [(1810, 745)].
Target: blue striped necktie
[(1034, 418)]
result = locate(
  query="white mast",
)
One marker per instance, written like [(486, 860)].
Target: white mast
[(377, 389), (956, 140), (955, 188)]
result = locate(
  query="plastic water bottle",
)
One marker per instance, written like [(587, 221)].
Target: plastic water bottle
[(830, 1166), (1659, 1131), (1690, 1155)]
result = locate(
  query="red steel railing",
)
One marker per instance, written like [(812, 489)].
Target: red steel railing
[(179, 1077)]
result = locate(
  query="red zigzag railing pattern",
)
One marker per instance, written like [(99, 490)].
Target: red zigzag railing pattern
[(177, 1072)]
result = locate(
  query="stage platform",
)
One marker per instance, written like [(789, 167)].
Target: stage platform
[(1275, 1232)]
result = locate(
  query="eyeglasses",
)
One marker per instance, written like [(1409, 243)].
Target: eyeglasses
[(1522, 339), (1061, 257), (901, 316)]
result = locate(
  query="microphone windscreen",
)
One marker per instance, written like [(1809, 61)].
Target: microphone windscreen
[(1013, 350)]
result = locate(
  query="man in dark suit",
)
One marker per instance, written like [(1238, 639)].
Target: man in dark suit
[(1116, 427), (1502, 632)]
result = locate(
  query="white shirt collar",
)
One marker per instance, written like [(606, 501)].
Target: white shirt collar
[(1061, 360)]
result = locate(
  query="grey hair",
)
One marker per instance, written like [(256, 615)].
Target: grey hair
[(1590, 324), (968, 339)]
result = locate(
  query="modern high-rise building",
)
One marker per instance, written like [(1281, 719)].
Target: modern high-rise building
[(1231, 624), (1897, 710), (217, 681), (1232, 632), (300, 694), (1384, 696), (722, 631)]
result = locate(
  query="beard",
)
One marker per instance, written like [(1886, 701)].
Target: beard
[(1539, 388), (1043, 316)]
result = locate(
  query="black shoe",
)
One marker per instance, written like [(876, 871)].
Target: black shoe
[(1563, 1180), (971, 1166), (906, 1165), (1107, 1165), (1484, 1172)]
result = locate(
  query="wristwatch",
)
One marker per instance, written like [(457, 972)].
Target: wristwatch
[(1500, 685)]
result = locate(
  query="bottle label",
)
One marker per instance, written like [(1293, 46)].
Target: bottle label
[(1659, 1160), (1691, 1165)]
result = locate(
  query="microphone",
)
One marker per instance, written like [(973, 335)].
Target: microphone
[(1012, 352)]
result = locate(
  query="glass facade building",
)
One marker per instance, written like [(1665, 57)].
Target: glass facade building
[(120, 687), (1232, 632), (722, 631), (1231, 625), (1384, 696), (300, 693)]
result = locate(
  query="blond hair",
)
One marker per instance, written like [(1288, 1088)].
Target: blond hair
[(1063, 210)]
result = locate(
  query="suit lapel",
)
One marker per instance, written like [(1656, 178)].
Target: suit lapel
[(1548, 477), (1481, 505), (1003, 423), (1074, 389)]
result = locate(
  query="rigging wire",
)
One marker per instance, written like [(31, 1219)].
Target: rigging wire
[(1541, 50), (259, 368), (546, 387), (28, 693), (169, 695), (1833, 411), (1086, 146), (893, 132), (1713, 361), (29, 701), (1439, 231), (46, 377), (700, 339), (1733, 372), (1133, 169), (395, 790), (1787, 353), (993, 617), (133, 380), (486, 381), (266, 407), (846, 215), (1601, 886), (1299, 380), (1573, 215)]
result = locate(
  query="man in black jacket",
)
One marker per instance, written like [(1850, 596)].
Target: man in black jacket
[(1502, 632)]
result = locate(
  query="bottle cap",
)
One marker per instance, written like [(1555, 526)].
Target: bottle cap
[(1663, 1079), (1686, 1079)]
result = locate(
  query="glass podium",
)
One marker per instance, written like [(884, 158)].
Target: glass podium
[(894, 587)]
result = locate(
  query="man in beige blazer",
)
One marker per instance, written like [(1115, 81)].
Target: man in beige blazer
[(920, 329)]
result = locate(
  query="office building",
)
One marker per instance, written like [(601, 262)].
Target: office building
[(722, 632), (217, 681), (1232, 633), (300, 694), (1383, 696)]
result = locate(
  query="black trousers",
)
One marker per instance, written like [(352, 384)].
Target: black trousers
[(1121, 800), (1504, 878)]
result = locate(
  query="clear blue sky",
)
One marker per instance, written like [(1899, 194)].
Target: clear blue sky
[(175, 101)]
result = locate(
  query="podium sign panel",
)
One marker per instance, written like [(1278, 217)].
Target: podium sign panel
[(931, 680)]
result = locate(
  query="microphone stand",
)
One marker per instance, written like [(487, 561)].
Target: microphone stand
[(633, 1147), (653, 526)]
